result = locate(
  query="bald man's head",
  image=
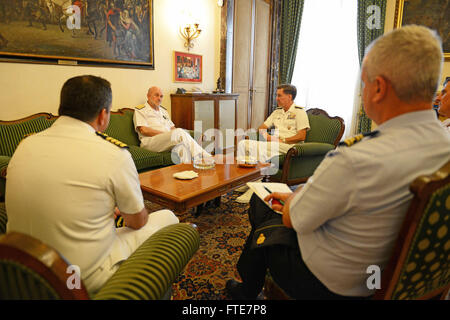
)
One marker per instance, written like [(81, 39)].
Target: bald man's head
[(154, 97)]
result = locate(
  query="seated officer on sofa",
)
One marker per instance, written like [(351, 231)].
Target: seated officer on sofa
[(158, 133), (65, 183), (348, 215)]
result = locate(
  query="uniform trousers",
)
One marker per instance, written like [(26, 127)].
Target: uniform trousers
[(284, 262), (180, 141), (126, 242), (262, 150)]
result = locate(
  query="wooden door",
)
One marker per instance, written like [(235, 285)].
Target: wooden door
[(242, 55), (261, 64), (251, 60)]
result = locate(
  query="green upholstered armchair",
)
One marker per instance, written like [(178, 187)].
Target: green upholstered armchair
[(419, 267), (301, 160), (30, 270)]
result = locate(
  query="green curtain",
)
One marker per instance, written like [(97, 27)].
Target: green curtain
[(291, 17), (370, 27)]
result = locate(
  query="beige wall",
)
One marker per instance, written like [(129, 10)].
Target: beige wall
[(30, 88), (389, 25)]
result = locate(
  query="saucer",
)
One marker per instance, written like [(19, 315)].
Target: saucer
[(185, 175)]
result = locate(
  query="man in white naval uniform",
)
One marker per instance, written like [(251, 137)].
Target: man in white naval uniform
[(348, 215), (66, 182), (290, 122), (158, 133)]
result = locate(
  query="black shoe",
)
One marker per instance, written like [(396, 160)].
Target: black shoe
[(235, 290)]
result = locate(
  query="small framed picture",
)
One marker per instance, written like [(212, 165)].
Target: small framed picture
[(188, 67)]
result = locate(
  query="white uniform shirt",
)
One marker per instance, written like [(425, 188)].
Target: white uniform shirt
[(63, 185), (149, 117), (348, 215), (288, 122), (446, 124)]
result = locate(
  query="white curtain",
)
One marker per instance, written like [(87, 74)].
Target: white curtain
[(327, 68)]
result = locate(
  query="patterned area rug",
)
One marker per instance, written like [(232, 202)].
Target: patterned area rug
[(223, 231)]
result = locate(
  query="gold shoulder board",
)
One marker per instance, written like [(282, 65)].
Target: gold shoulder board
[(139, 107), (118, 143), (351, 141), (29, 134)]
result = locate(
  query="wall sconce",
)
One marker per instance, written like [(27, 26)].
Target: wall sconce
[(220, 3), (190, 33)]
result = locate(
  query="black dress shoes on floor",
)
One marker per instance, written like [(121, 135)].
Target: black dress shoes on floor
[(235, 290)]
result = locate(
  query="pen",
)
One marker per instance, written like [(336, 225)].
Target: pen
[(281, 201)]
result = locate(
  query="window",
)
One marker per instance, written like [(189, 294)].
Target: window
[(327, 67)]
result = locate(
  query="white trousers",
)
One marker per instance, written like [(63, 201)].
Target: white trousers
[(180, 141), (126, 242), (262, 150)]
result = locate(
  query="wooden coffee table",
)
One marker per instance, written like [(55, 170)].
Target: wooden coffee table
[(161, 187)]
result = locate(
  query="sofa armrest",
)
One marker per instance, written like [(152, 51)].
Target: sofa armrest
[(309, 154), (4, 160), (304, 150), (313, 149), (150, 271)]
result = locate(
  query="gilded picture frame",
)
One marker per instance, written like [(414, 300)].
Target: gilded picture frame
[(112, 33), (431, 13), (188, 67)]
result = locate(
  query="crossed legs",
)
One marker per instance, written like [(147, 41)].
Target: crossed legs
[(179, 141)]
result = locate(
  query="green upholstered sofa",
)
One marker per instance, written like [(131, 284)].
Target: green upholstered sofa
[(36, 271), (120, 127)]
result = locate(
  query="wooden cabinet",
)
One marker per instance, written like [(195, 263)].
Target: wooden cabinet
[(205, 111)]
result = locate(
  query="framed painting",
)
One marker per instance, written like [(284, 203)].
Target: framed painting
[(117, 33), (431, 13), (188, 67)]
